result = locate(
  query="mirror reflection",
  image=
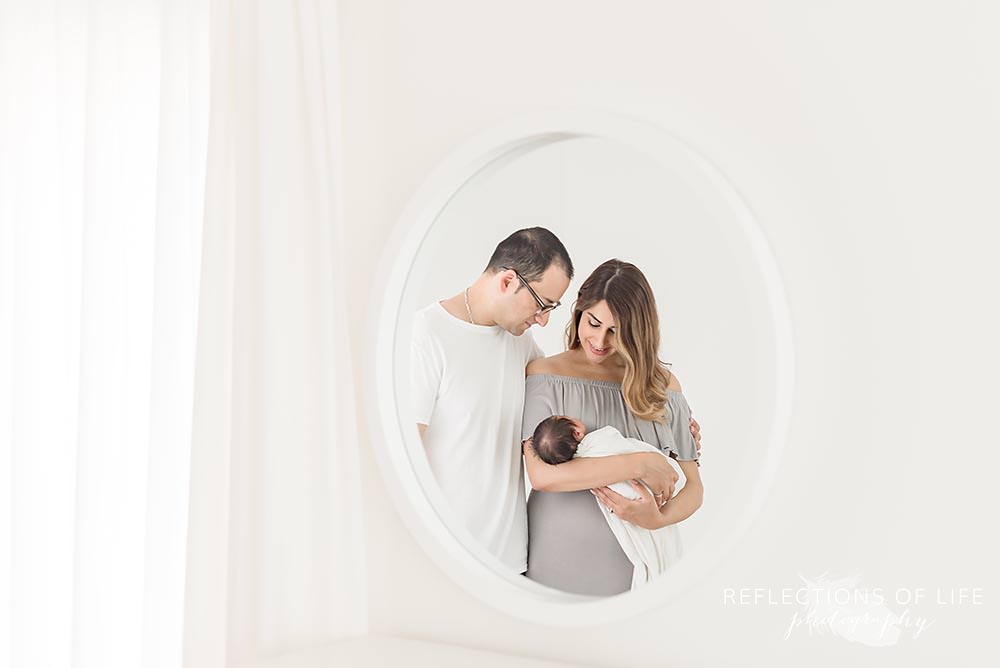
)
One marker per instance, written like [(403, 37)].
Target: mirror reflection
[(541, 336)]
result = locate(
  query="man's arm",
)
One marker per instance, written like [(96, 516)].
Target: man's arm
[(590, 472), (426, 367)]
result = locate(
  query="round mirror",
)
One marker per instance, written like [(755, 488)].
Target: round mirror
[(607, 188)]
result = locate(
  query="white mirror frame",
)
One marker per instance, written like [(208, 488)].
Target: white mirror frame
[(464, 562)]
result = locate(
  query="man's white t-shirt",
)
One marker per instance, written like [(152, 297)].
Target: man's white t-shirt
[(467, 385)]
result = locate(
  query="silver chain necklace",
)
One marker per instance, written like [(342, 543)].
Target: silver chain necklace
[(467, 309)]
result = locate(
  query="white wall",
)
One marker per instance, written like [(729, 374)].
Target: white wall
[(864, 136)]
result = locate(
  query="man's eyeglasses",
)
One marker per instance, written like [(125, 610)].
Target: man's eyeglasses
[(542, 306)]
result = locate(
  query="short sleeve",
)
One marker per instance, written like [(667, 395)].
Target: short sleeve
[(534, 350), (426, 368), (680, 428), (539, 403)]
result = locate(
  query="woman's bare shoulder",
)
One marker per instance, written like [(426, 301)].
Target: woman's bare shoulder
[(674, 384), (555, 365)]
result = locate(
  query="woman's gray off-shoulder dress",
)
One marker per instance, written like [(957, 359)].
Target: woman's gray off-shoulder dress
[(570, 546)]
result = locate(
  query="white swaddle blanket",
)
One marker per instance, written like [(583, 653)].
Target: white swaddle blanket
[(651, 552)]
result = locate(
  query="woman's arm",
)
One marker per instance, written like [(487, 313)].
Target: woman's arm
[(589, 472), (688, 500), (644, 512)]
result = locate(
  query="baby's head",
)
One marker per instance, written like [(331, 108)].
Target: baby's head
[(556, 438)]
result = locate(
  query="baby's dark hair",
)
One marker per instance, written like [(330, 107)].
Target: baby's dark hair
[(554, 439)]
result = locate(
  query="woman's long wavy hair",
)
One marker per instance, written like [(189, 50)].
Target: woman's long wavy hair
[(637, 335)]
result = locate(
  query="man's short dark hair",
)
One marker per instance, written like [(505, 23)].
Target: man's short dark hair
[(555, 440), (530, 252)]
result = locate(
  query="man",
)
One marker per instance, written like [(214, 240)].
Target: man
[(468, 355)]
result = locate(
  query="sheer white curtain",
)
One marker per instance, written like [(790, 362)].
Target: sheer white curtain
[(175, 447), (103, 122), (274, 553)]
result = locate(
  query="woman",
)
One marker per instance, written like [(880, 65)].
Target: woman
[(610, 374)]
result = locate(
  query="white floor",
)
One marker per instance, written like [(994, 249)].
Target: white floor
[(379, 651)]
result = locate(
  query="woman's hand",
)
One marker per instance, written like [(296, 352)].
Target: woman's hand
[(642, 512), (659, 475)]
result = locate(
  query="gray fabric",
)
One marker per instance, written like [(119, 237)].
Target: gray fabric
[(570, 546)]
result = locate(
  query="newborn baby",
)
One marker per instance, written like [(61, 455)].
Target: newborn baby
[(559, 438)]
